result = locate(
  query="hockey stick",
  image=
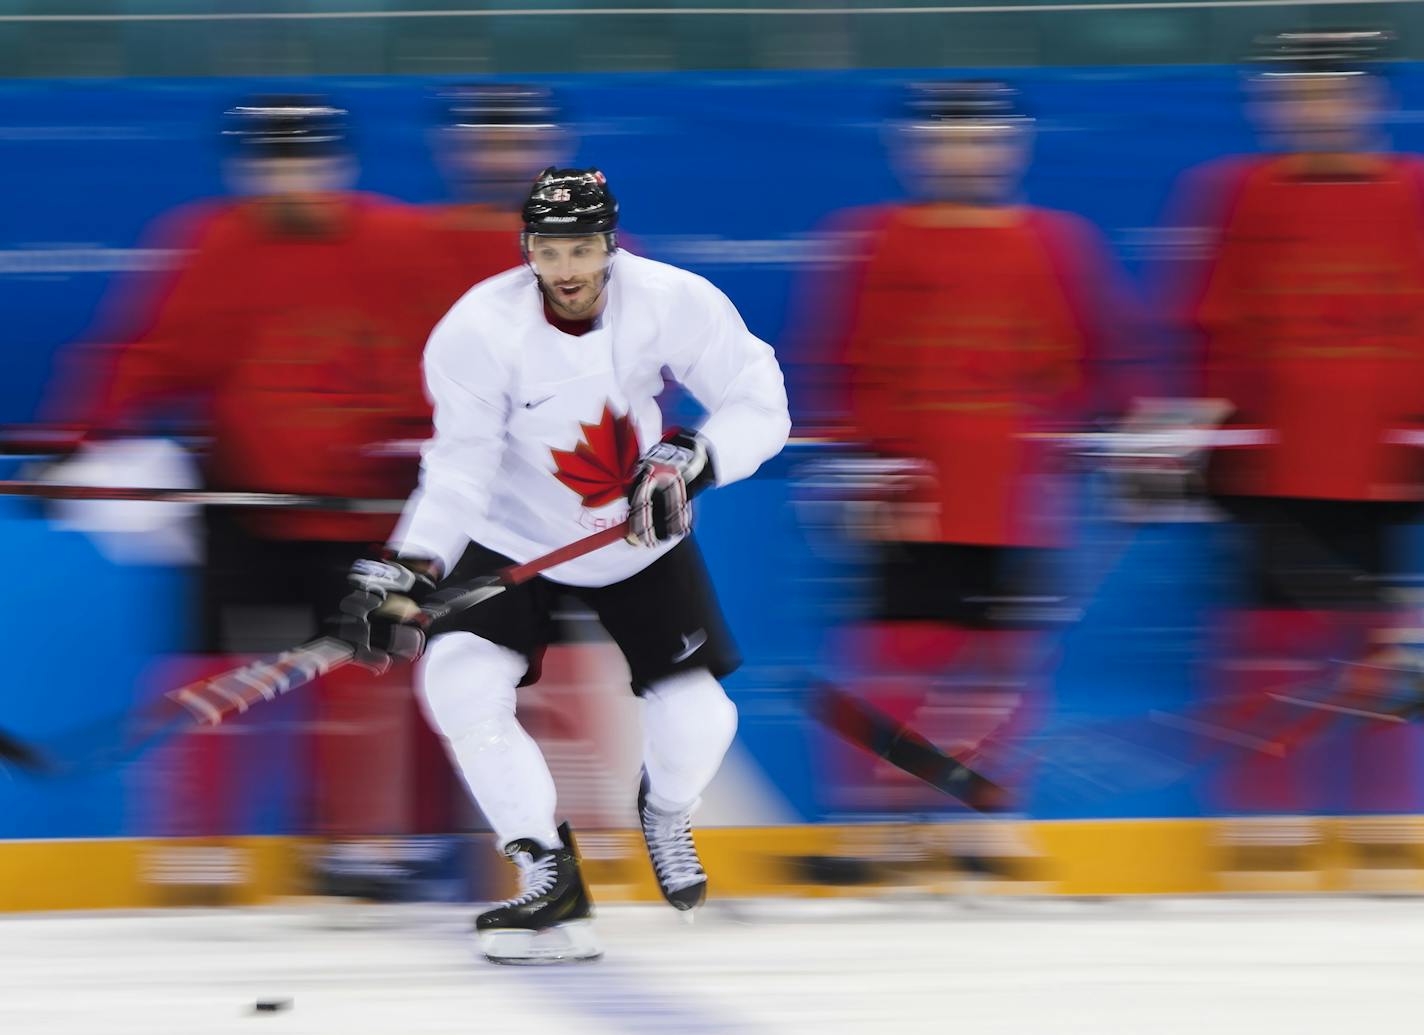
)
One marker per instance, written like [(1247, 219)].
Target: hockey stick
[(203, 497), (1085, 760), (868, 727), (211, 701), (1136, 753), (1280, 720)]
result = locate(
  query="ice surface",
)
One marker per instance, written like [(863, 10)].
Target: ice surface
[(1204, 967)]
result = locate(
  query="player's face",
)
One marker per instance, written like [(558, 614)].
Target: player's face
[(496, 164), (293, 178), (573, 272), (1320, 113), (974, 162)]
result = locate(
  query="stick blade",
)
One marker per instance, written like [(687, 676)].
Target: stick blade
[(866, 726), (15, 752)]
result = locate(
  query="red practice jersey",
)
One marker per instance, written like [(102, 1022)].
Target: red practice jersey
[(468, 244), (296, 353), (1310, 311), (972, 329)]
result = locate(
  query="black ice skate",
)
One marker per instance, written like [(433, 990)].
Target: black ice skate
[(674, 856), (551, 920)]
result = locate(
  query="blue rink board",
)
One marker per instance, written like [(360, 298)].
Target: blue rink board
[(698, 160)]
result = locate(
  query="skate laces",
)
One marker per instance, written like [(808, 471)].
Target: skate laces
[(536, 877), (670, 846)]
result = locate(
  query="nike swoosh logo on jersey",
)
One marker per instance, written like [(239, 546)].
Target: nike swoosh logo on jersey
[(690, 645), (537, 402)]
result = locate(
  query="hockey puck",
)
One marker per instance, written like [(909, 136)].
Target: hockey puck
[(271, 1005)]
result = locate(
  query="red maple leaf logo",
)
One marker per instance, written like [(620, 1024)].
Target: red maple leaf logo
[(601, 465)]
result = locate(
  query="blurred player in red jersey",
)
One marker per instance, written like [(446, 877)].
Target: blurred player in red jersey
[(1308, 307), (494, 138), (286, 337), (971, 324)]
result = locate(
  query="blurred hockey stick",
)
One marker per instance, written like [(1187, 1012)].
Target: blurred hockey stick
[(31, 441), (1092, 759), (1144, 750), (39, 440), (1081, 759), (837, 494), (866, 726), (202, 497), (211, 701), (1089, 759), (1280, 720)]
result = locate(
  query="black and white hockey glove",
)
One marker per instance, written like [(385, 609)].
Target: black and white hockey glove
[(664, 482), (377, 613)]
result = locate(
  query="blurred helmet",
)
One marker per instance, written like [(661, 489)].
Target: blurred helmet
[(962, 140), (286, 126), (570, 203), (1321, 51), (962, 100), (498, 106)]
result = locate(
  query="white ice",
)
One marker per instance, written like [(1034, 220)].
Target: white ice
[(1203, 967)]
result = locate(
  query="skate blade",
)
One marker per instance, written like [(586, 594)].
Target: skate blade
[(573, 942)]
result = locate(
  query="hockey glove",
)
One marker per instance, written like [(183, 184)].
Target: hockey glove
[(663, 484), (376, 616)]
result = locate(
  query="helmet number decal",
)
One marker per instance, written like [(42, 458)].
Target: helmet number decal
[(560, 194)]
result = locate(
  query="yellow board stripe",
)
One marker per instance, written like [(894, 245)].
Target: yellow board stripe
[(1077, 857)]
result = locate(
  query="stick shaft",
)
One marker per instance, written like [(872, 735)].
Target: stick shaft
[(211, 701), (201, 497), (214, 699)]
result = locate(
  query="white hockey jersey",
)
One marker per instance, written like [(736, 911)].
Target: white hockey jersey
[(537, 431)]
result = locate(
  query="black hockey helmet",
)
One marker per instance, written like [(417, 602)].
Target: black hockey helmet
[(498, 106), (1321, 51), (570, 203), (286, 126), (961, 101)]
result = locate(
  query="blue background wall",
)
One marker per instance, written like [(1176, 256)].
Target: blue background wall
[(698, 160)]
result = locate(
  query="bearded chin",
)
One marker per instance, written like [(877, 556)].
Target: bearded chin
[(560, 305)]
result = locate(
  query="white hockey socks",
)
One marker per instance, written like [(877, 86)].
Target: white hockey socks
[(467, 686), (688, 725)]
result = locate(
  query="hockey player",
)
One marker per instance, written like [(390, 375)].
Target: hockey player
[(490, 136), (286, 338), (1308, 310), (543, 380), (968, 324)]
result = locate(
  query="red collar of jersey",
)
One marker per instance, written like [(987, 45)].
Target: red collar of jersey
[(573, 327)]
